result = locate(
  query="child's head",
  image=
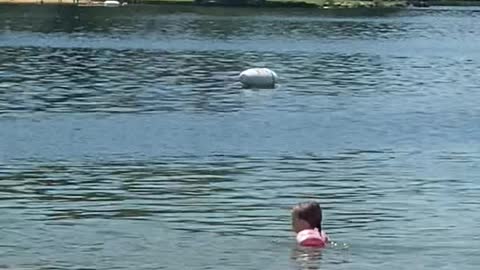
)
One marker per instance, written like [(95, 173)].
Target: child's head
[(307, 215)]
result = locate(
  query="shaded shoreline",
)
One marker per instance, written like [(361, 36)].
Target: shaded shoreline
[(315, 4), (310, 4), (454, 3)]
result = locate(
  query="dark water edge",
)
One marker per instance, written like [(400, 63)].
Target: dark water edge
[(290, 8), (347, 10), (266, 4), (454, 3)]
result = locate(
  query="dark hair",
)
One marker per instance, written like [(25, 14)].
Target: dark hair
[(311, 212)]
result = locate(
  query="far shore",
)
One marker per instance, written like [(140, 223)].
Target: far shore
[(268, 4), (454, 3), (325, 4)]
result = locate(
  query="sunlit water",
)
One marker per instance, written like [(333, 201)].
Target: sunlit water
[(126, 141)]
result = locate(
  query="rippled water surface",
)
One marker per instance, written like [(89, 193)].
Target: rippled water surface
[(126, 141)]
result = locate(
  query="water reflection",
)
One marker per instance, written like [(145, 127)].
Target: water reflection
[(226, 195), (55, 80), (64, 60), (229, 192), (376, 122), (307, 258), (163, 23), (126, 81)]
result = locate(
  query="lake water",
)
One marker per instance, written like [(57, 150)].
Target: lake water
[(126, 141)]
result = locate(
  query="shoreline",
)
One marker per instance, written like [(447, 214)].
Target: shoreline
[(321, 4), (454, 3)]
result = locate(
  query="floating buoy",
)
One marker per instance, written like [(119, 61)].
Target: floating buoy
[(111, 3), (258, 77)]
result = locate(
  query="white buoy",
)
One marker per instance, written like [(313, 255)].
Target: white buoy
[(258, 77), (111, 3)]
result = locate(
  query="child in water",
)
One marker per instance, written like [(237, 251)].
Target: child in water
[(307, 224)]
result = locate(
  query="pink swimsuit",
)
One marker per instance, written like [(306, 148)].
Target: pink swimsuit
[(312, 238)]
